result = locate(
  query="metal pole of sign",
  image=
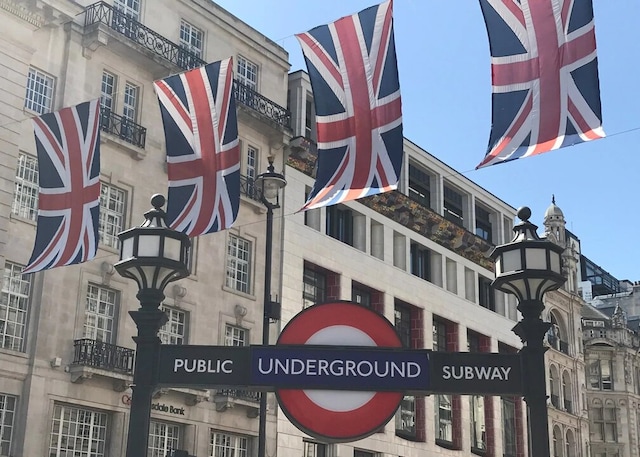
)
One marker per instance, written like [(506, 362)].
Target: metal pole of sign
[(528, 267)]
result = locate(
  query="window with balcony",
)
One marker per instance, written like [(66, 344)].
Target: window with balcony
[(25, 197), (130, 8), (483, 224), (420, 261), (163, 438), (601, 374), (108, 88), (486, 294), (419, 185), (174, 331), (313, 449), (191, 38), (223, 444), (112, 212), (7, 414), (130, 102), (39, 95), (603, 424), (247, 72), (453, 206), (340, 223), (78, 431), (14, 306), (100, 313), (314, 287), (238, 274)]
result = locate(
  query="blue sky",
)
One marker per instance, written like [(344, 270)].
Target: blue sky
[(445, 79)]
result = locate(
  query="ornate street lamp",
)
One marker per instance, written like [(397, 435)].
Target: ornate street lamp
[(269, 185), (528, 267), (153, 255)]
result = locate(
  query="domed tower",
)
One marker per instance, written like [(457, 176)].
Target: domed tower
[(555, 231), (555, 224)]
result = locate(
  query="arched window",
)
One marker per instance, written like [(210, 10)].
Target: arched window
[(557, 442), (567, 396), (570, 445), (554, 382)]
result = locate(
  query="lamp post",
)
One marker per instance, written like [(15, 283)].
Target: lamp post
[(269, 185), (153, 255), (528, 267)]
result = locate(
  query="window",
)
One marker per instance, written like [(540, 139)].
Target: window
[(314, 287), (173, 332), (39, 97), (252, 161), (483, 224), (340, 223), (308, 119), (14, 306), (228, 445), (77, 432), (453, 206), (7, 413), (402, 315), (361, 453), (130, 102), (112, 207), (129, 7), (439, 335), (100, 313), (191, 38), (509, 442), (603, 424), (235, 336), (420, 261), (406, 418), (312, 449), (107, 91), (601, 375), (247, 73), (239, 264), (419, 185), (486, 294), (163, 438), (360, 295), (25, 198), (478, 426), (444, 419)]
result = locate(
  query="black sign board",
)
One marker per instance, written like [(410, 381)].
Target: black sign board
[(203, 366), (475, 373)]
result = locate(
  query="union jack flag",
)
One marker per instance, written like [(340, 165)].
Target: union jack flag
[(68, 147), (354, 75), (545, 77), (203, 157)]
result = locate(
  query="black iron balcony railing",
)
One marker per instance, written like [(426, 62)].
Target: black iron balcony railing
[(123, 128), (568, 406), (101, 12), (254, 100), (248, 395), (93, 353), (248, 188)]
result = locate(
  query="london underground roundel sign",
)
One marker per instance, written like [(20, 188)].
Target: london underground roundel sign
[(333, 415)]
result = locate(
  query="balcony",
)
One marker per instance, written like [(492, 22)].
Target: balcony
[(568, 406), (123, 128), (248, 188), (139, 34), (92, 357), (229, 398), (250, 98)]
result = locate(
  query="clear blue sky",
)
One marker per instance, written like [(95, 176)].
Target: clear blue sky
[(443, 59)]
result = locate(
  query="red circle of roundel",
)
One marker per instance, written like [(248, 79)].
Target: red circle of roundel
[(313, 419)]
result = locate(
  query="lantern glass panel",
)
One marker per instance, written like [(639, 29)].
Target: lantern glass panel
[(172, 248), (127, 248), (511, 261), (149, 246), (536, 259), (555, 262)]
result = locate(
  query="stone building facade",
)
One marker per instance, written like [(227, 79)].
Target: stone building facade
[(66, 352)]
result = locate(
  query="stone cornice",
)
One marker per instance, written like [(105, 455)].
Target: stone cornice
[(20, 10)]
